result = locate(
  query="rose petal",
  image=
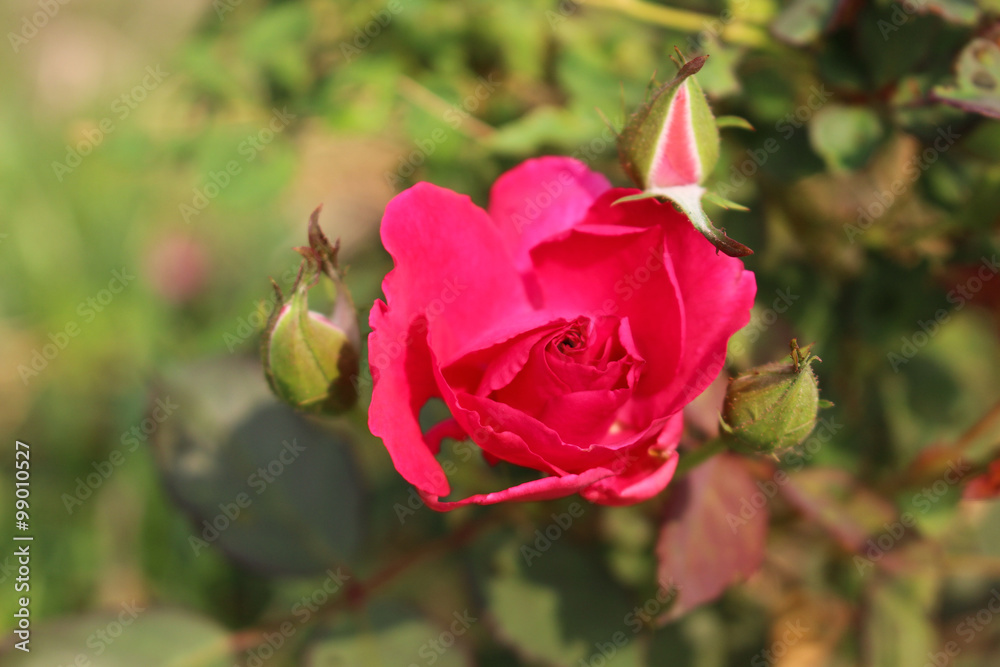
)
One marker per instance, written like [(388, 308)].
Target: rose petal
[(523, 440), (449, 428), (646, 475), (547, 488), (584, 417), (442, 245), (718, 293), (619, 273), (451, 266), (511, 435), (534, 383), (539, 199), (676, 161), (402, 385)]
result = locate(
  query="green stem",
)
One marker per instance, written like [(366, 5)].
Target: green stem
[(683, 20), (690, 460)]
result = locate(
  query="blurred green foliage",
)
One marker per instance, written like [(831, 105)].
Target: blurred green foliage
[(159, 160)]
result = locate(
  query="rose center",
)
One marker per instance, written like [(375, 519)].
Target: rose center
[(572, 340)]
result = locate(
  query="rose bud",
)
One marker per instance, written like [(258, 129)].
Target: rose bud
[(772, 407), (668, 147), (311, 360)]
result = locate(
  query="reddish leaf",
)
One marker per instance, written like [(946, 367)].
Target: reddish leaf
[(712, 534), (984, 487)]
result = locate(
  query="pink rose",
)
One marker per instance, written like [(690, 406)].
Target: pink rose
[(565, 334)]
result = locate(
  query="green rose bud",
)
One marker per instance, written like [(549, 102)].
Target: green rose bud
[(311, 360), (772, 407)]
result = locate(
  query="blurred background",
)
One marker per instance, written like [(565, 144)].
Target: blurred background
[(159, 160)]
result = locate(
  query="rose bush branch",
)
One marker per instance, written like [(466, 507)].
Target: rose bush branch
[(355, 594)]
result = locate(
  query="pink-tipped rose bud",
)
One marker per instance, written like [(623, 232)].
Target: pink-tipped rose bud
[(772, 407), (671, 140), (670, 145), (311, 360)]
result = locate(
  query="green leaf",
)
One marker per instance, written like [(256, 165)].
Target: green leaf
[(273, 42), (128, 637), (897, 630), (845, 137), (719, 200), (563, 608), (389, 634), (734, 121), (687, 198), (803, 21), (959, 12), (541, 127), (699, 640), (718, 77), (636, 197), (977, 84), (271, 488), (893, 42)]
